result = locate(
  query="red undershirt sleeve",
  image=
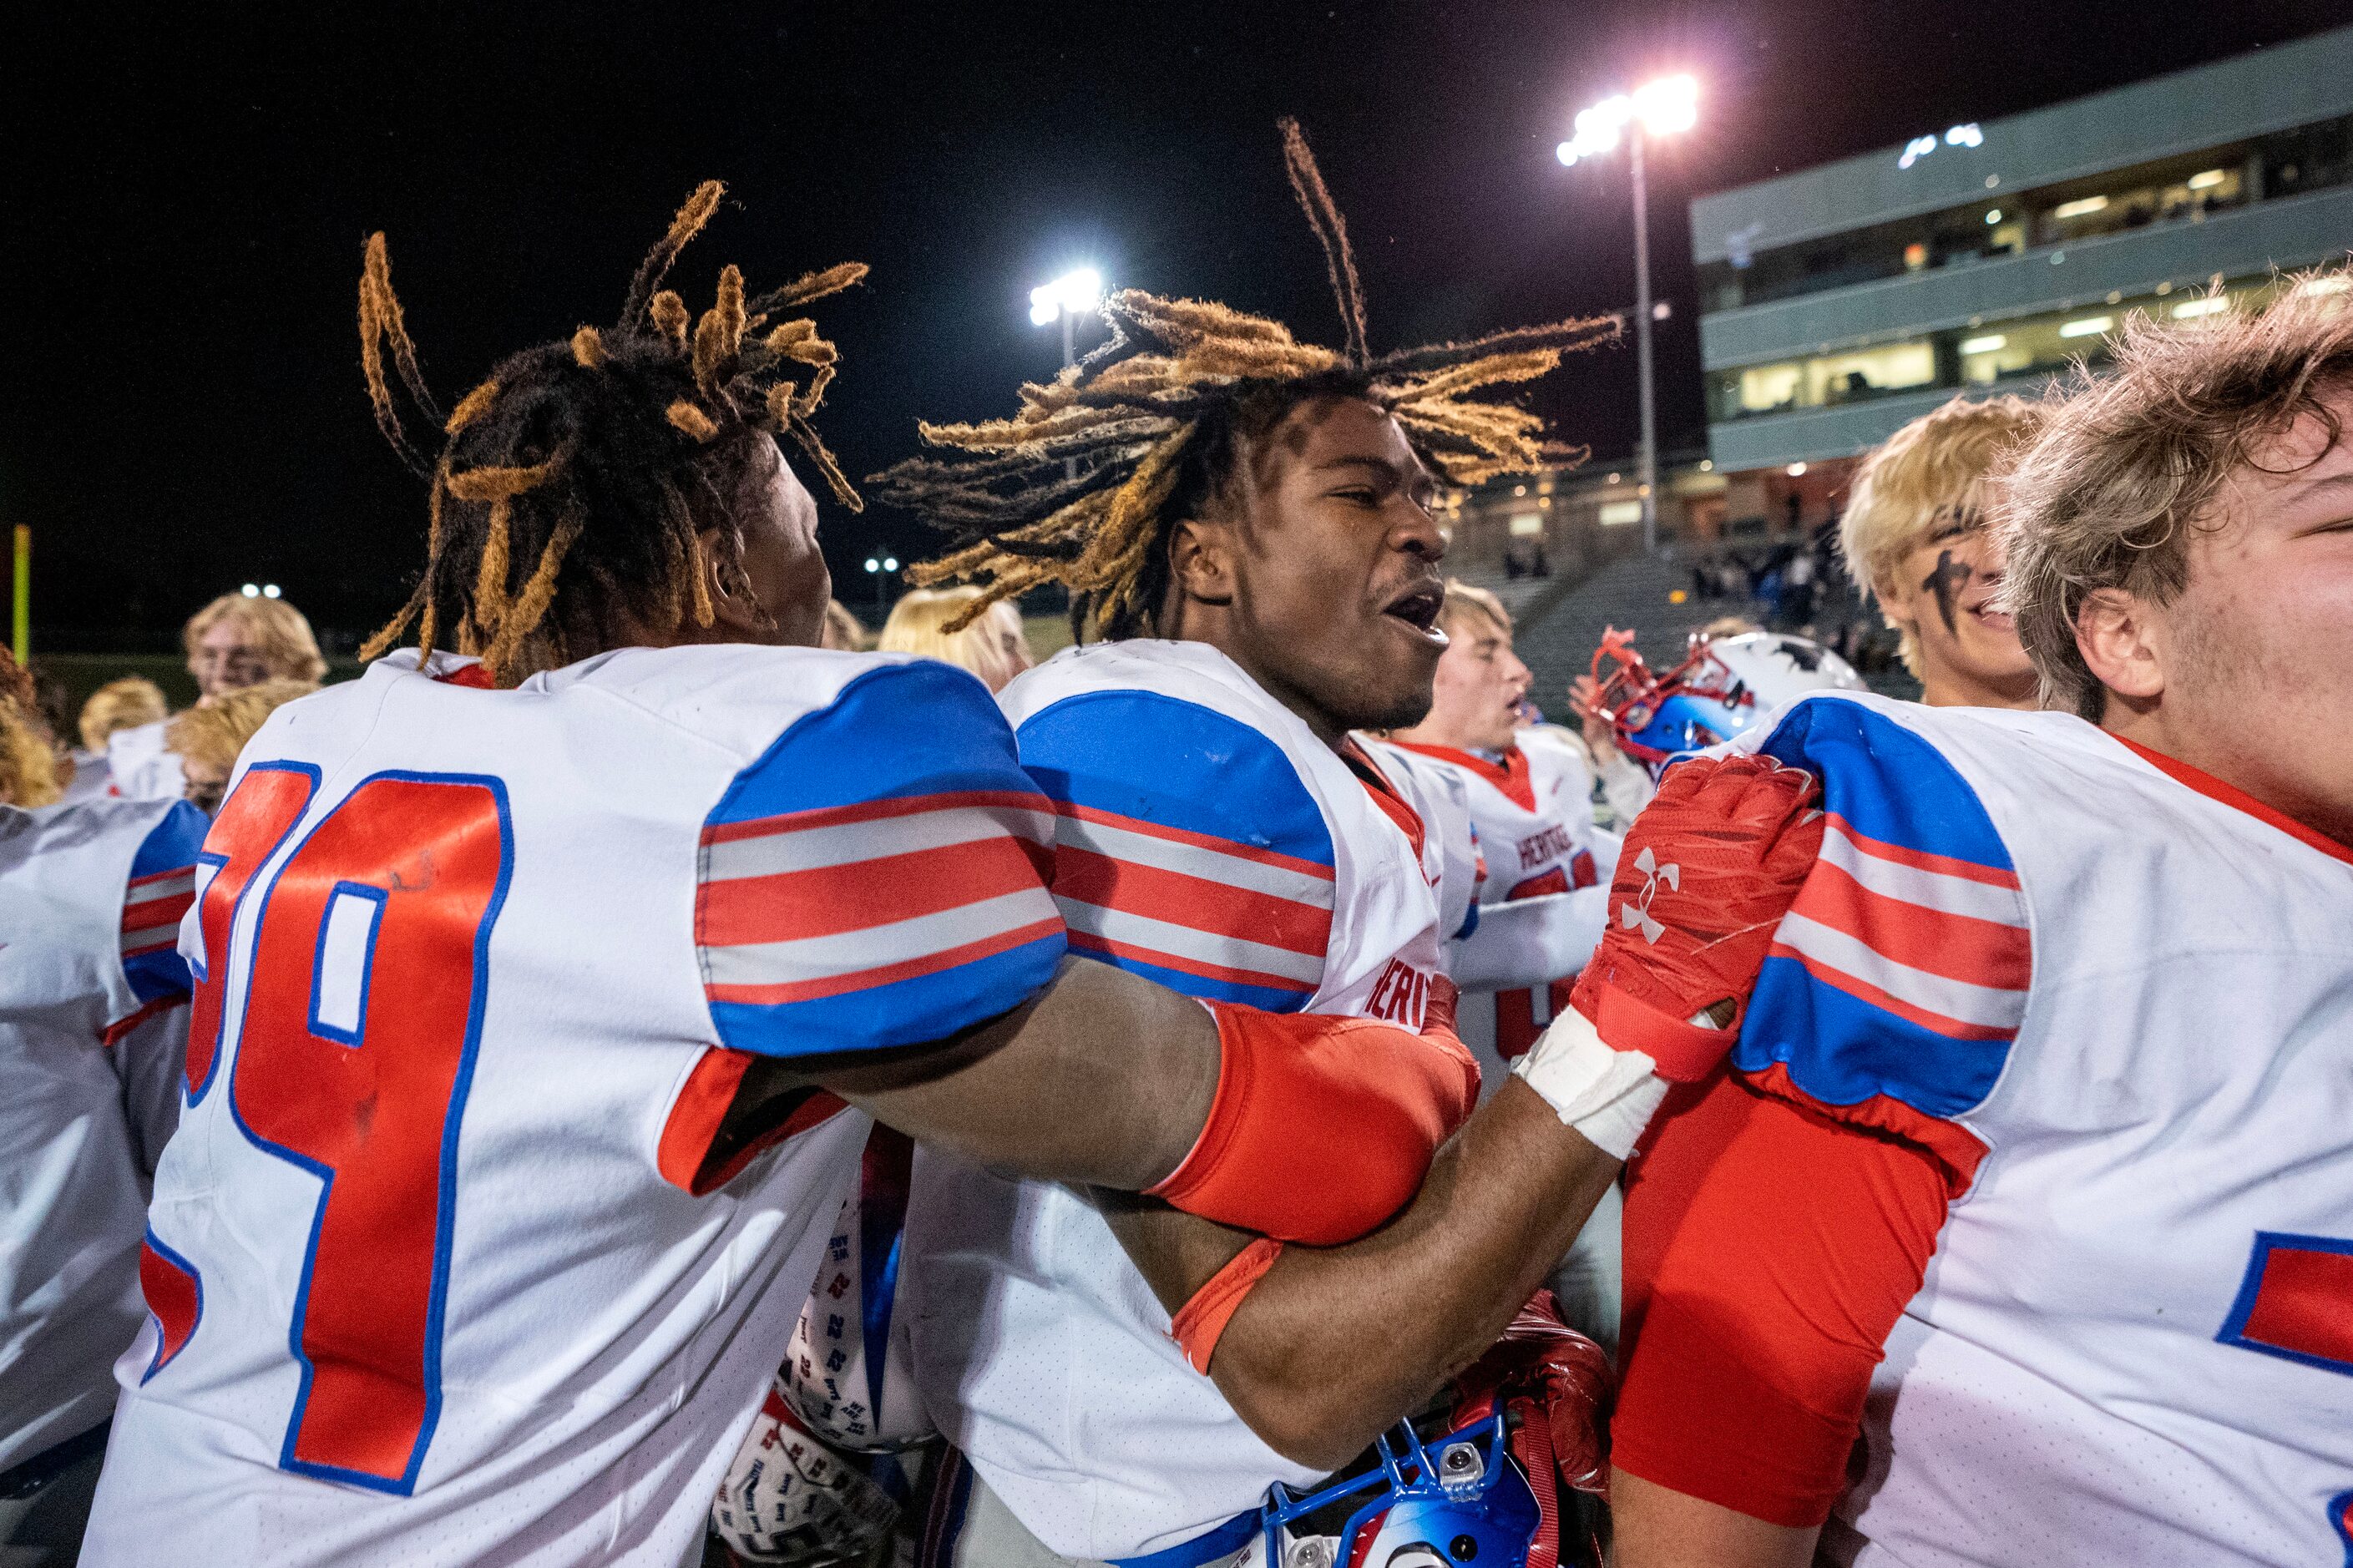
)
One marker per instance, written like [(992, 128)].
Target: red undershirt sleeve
[(1768, 1251)]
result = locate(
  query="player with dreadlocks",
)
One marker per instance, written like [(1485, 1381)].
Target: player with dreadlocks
[(529, 974), (1247, 526)]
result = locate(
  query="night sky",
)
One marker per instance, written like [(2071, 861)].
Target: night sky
[(185, 189)]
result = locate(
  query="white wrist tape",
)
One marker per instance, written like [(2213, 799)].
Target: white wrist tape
[(1606, 1095)]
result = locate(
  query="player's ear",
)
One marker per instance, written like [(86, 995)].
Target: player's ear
[(2123, 641), (1201, 560), (736, 613)]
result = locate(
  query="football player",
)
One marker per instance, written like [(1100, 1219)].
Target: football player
[(233, 642), (1253, 564), (532, 981), (1547, 872), (91, 1029), (2036, 1168), (1916, 541)]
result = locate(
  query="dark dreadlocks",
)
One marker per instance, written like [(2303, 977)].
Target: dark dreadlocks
[(568, 488), (1155, 419)]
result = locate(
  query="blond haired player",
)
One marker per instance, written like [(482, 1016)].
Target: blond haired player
[(2036, 1167), (1917, 541), (238, 640)]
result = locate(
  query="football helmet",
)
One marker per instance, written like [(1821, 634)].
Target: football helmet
[(1460, 1500), (1722, 686)]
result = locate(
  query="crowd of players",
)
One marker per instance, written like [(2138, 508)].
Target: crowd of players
[(635, 1077)]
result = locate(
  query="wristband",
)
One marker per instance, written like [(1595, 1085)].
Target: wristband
[(1605, 1095), (1202, 1320)]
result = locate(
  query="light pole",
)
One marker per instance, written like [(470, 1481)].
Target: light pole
[(880, 569), (1065, 299), (1658, 107)]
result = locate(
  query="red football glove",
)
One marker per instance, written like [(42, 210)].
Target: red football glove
[(1712, 865), (1564, 1376)]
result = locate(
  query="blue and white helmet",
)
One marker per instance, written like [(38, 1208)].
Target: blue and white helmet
[(1460, 1500), (1726, 685)]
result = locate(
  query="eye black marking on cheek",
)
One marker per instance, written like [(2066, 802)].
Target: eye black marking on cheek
[(1946, 581)]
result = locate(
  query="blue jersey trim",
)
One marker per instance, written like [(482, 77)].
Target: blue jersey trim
[(1842, 1051), (172, 844), (923, 728), (909, 1012), (1886, 782), (1176, 763)]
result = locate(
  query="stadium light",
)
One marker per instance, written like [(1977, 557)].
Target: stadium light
[(1074, 294), (269, 590), (251, 590), (1665, 107)]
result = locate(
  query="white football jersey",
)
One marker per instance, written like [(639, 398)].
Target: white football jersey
[(1205, 838), (2116, 997), (1532, 810), (92, 1022), (139, 768), (460, 1270)]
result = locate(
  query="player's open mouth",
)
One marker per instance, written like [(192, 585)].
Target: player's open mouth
[(1417, 607), (1986, 613)]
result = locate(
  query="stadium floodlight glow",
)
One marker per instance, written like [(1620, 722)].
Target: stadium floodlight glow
[(1661, 106), (269, 590), (2086, 326), (2207, 179), (872, 564), (2083, 208), (1075, 293), (251, 590)]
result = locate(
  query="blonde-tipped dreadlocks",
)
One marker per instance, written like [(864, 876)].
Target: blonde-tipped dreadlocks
[(587, 467), (1081, 486)]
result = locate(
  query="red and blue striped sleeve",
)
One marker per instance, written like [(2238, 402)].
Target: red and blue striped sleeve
[(1186, 848), (1897, 982), (161, 886), (877, 878)]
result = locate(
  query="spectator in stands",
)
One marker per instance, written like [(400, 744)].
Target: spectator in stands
[(993, 646), (208, 738), (1915, 541), (843, 633), (235, 641)]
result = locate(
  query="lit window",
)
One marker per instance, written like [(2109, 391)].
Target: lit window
[(1619, 511), (2084, 209), (1526, 524), (2086, 326), (1984, 345)]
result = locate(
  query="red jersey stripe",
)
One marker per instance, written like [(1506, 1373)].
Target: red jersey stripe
[(885, 974), (1199, 902), (826, 900), (1979, 952)]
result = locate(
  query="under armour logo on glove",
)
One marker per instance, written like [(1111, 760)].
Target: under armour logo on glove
[(1636, 912)]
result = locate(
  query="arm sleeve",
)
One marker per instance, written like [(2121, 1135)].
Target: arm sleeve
[(1768, 1252), (161, 886), (1186, 848), (1529, 942), (877, 878)]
